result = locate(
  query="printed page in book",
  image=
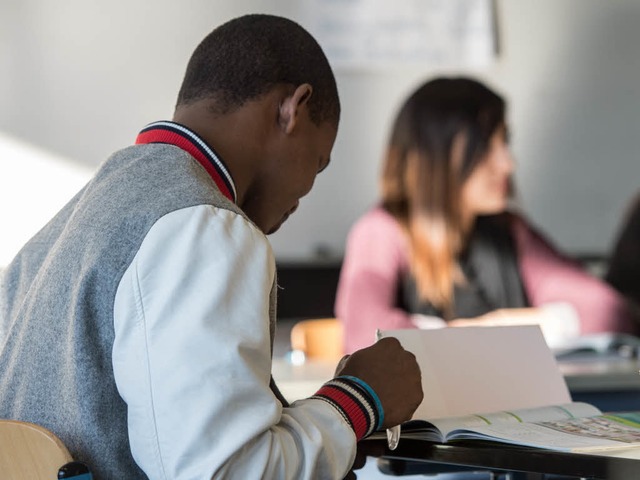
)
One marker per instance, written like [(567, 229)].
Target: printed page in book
[(580, 434), (515, 426), (467, 370), (449, 426)]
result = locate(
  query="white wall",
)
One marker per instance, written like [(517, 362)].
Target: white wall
[(81, 77)]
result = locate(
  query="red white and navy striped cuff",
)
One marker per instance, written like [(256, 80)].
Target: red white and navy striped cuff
[(355, 403)]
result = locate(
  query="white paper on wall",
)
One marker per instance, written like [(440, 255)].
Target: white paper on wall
[(383, 33)]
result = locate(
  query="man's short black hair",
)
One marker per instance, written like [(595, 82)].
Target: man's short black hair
[(247, 56)]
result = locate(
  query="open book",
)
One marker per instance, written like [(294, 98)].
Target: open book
[(575, 427), (502, 384)]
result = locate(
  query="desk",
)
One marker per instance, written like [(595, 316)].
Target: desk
[(611, 383), (301, 381), (418, 457)]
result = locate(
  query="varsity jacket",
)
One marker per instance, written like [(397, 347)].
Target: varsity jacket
[(138, 324)]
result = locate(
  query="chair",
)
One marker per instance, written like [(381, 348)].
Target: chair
[(31, 452), (318, 339)]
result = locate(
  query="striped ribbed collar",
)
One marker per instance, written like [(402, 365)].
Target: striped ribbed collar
[(175, 134)]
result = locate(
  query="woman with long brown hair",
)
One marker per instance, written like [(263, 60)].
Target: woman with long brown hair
[(444, 247)]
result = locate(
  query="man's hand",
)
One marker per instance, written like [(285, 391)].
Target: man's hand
[(393, 373)]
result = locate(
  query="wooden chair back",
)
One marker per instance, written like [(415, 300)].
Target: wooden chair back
[(319, 339), (30, 452)]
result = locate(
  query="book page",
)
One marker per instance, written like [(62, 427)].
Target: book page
[(576, 435), (466, 370), (621, 427), (541, 414)]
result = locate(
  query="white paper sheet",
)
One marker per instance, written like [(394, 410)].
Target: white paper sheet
[(483, 369), (383, 33)]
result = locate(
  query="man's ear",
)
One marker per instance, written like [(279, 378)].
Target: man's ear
[(290, 107)]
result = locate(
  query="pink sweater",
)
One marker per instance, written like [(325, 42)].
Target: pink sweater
[(376, 258)]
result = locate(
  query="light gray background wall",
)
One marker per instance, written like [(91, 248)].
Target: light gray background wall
[(81, 77)]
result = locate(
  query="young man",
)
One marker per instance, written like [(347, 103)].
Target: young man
[(138, 323)]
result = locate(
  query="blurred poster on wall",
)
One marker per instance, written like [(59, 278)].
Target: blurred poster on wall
[(382, 33)]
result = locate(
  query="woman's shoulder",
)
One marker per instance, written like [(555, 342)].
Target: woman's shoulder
[(377, 226), (377, 237), (522, 227), (377, 218)]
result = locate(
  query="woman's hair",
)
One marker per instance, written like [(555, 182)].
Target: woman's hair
[(245, 57), (441, 133)]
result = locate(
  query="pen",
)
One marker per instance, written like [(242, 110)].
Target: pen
[(393, 437)]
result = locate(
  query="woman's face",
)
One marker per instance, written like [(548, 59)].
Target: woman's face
[(486, 191)]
